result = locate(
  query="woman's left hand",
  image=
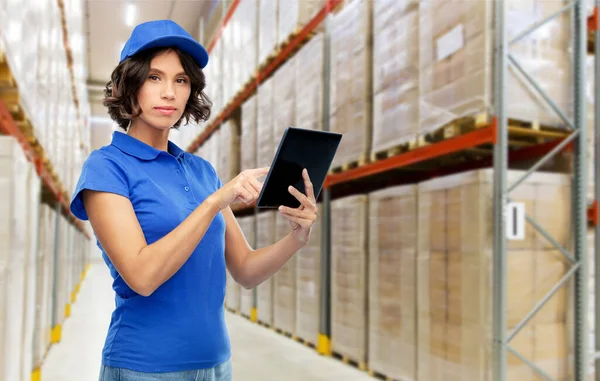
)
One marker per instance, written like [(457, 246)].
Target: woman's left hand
[(302, 218)]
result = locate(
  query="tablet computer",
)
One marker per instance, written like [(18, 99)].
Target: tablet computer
[(298, 149)]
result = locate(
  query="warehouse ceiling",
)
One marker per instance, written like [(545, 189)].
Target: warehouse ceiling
[(109, 23)]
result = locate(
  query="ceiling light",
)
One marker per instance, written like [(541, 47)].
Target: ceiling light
[(130, 14)]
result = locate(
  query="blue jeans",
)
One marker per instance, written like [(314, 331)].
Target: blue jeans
[(221, 372)]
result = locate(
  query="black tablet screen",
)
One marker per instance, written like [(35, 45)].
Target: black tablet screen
[(313, 150)]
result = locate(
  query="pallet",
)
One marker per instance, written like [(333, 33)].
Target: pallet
[(379, 376), (361, 365), (266, 325), (286, 334), (7, 80), (306, 343), (520, 134), (456, 128), (244, 315), (351, 165), (292, 36)]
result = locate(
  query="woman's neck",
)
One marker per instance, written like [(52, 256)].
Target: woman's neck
[(154, 137)]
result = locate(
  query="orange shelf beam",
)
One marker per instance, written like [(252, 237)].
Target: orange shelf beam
[(224, 22), (264, 73), (592, 21), (9, 127), (457, 144), (592, 214)]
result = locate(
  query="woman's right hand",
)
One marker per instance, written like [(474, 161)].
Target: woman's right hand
[(245, 187)]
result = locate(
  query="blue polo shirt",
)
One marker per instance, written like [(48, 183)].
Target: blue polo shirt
[(181, 326)]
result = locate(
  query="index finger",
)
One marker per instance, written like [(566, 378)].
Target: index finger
[(260, 171), (308, 187)]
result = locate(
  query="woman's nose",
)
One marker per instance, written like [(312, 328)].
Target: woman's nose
[(168, 92)]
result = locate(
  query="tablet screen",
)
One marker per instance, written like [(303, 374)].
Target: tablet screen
[(298, 149)]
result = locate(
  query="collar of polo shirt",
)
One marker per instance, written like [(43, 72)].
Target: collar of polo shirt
[(141, 150)]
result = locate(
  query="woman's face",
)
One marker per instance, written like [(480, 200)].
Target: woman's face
[(164, 95)]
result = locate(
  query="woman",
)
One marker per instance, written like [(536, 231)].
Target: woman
[(162, 219)]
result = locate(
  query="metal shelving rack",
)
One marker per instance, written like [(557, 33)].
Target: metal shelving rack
[(578, 259), (593, 28), (498, 134)]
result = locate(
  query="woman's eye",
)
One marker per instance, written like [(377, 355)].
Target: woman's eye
[(182, 80), (153, 77)]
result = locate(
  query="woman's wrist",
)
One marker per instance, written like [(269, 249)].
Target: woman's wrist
[(212, 204), (301, 240)]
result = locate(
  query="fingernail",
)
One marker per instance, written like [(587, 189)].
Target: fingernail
[(290, 188)]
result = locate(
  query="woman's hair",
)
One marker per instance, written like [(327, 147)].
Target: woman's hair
[(121, 92)]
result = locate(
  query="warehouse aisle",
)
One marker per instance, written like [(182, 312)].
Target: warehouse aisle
[(258, 353)]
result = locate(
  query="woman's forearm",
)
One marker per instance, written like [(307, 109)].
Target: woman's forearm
[(262, 263)]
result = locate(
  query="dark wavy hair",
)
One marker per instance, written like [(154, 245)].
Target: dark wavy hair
[(121, 92)]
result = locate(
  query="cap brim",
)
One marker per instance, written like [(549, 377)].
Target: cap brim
[(188, 45)]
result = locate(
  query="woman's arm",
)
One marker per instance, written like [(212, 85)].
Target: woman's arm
[(146, 267), (143, 267), (250, 267)]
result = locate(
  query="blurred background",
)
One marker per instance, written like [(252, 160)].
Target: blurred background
[(456, 235)]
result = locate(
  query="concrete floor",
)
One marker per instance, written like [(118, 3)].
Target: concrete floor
[(258, 353)]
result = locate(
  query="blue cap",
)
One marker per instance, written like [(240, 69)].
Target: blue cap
[(163, 33)]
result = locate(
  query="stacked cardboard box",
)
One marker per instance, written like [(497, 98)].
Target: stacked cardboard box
[(591, 316), (213, 73), (248, 142), (455, 253), (45, 271), (13, 256), (308, 285), (284, 91), (265, 236), (32, 223), (267, 29), (349, 240), (395, 73), (456, 60), (247, 224), (293, 15), (229, 150), (42, 86), (265, 150), (249, 25), (210, 150), (393, 282), (284, 285), (351, 85), (309, 84)]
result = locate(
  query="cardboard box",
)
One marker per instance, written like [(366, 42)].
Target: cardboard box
[(265, 151), (284, 285), (248, 225), (392, 307), (395, 73), (308, 283), (284, 97), (349, 240), (456, 45), (309, 84), (248, 141), (293, 15), (454, 274), (265, 236), (351, 85)]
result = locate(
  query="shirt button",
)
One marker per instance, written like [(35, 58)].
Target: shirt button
[(187, 189)]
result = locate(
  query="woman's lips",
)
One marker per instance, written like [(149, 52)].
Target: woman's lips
[(167, 111)]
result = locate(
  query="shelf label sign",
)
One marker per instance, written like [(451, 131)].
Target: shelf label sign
[(515, 221)]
